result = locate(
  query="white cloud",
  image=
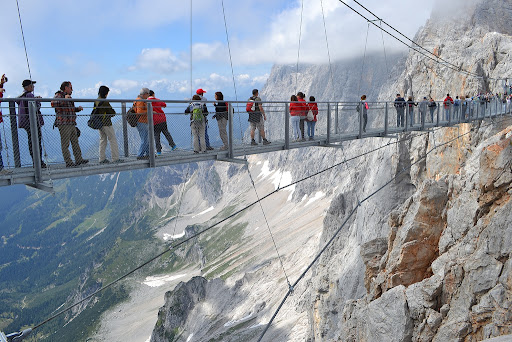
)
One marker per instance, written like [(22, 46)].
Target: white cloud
[(159, 60), (125, 85)]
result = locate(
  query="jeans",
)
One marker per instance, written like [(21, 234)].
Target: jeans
[(161, 128), (206, 137), (400, 117), (296, 127), (144, 139), (311, 128)]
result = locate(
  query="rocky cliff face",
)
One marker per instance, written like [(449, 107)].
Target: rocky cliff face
[(425, 259)]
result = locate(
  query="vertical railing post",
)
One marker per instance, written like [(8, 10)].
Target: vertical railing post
[(437, 114), (151, 134), (286, 126), (361, 104), (423, 113), (406, 117), (36, 156), (386, 119), (125, 130), (450, 110), (14, 134), (336, 118), (328, 123), (230, 130)]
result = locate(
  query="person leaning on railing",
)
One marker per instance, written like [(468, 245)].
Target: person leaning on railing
[(141, 109), (222, 116), (65, 121)]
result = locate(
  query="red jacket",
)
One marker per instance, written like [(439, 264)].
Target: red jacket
[(296, 109), (314, 108), (304, 106), (158, 112), (447, 102)]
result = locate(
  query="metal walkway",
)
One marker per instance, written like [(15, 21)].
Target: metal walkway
[(337, 122)]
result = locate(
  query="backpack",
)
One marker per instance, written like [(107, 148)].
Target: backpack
[(95, 121), (197, 113), (250, 106), (131, 117), (310, 116)]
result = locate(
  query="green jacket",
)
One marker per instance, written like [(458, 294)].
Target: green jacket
[(106, 111)]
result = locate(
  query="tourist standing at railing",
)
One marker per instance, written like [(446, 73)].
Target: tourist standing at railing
[(295, 114), (141, 109), (447, 104), (2, 90), (423, 109), (364, 107), (197, 109), (456, 108), (65, 121), (257, 118), (313, 108), (24, 119), (160, 123), (106, 131), (304, 106), (201, 93), (410, 105), (464, 107), (432, 108), (400, 108), (222, 116)]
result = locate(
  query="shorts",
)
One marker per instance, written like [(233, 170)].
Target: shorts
[(257, 125)]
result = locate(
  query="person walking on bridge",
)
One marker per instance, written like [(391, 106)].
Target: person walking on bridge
[(65, 121), (432, 107), (423, 109), (141, 109), (410, 107), (24, 120), (257, 118), (197, 109), (160, 123), (106, 131), (400, 107), (447, 103)]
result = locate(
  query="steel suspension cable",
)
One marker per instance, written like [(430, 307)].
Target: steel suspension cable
[(384, 47), (327, 44), (364, 59), (298, 50), (346, 220), (178, 244), (436, 59), (23, 36), (191, 85)]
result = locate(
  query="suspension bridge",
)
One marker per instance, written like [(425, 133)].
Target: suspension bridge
[(337, 122)]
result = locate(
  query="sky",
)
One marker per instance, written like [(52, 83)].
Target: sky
[(129, 44)]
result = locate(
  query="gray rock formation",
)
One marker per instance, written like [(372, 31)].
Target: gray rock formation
[(426, 259)]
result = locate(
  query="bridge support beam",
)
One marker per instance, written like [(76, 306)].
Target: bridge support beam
[(151, 135), (125, 130), (230, 130), (34, 132), (286, 127), (328, 124)]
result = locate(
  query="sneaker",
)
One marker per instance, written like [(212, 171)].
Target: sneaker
[(266, 142), (5, 172), (105, 161), (82, 162), (209, 148), (253, 142), (159, 153), (70, 164), (118, 161), (311, 138), (174, 147)]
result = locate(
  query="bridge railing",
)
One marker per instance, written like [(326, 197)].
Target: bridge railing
[(337, 121)]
